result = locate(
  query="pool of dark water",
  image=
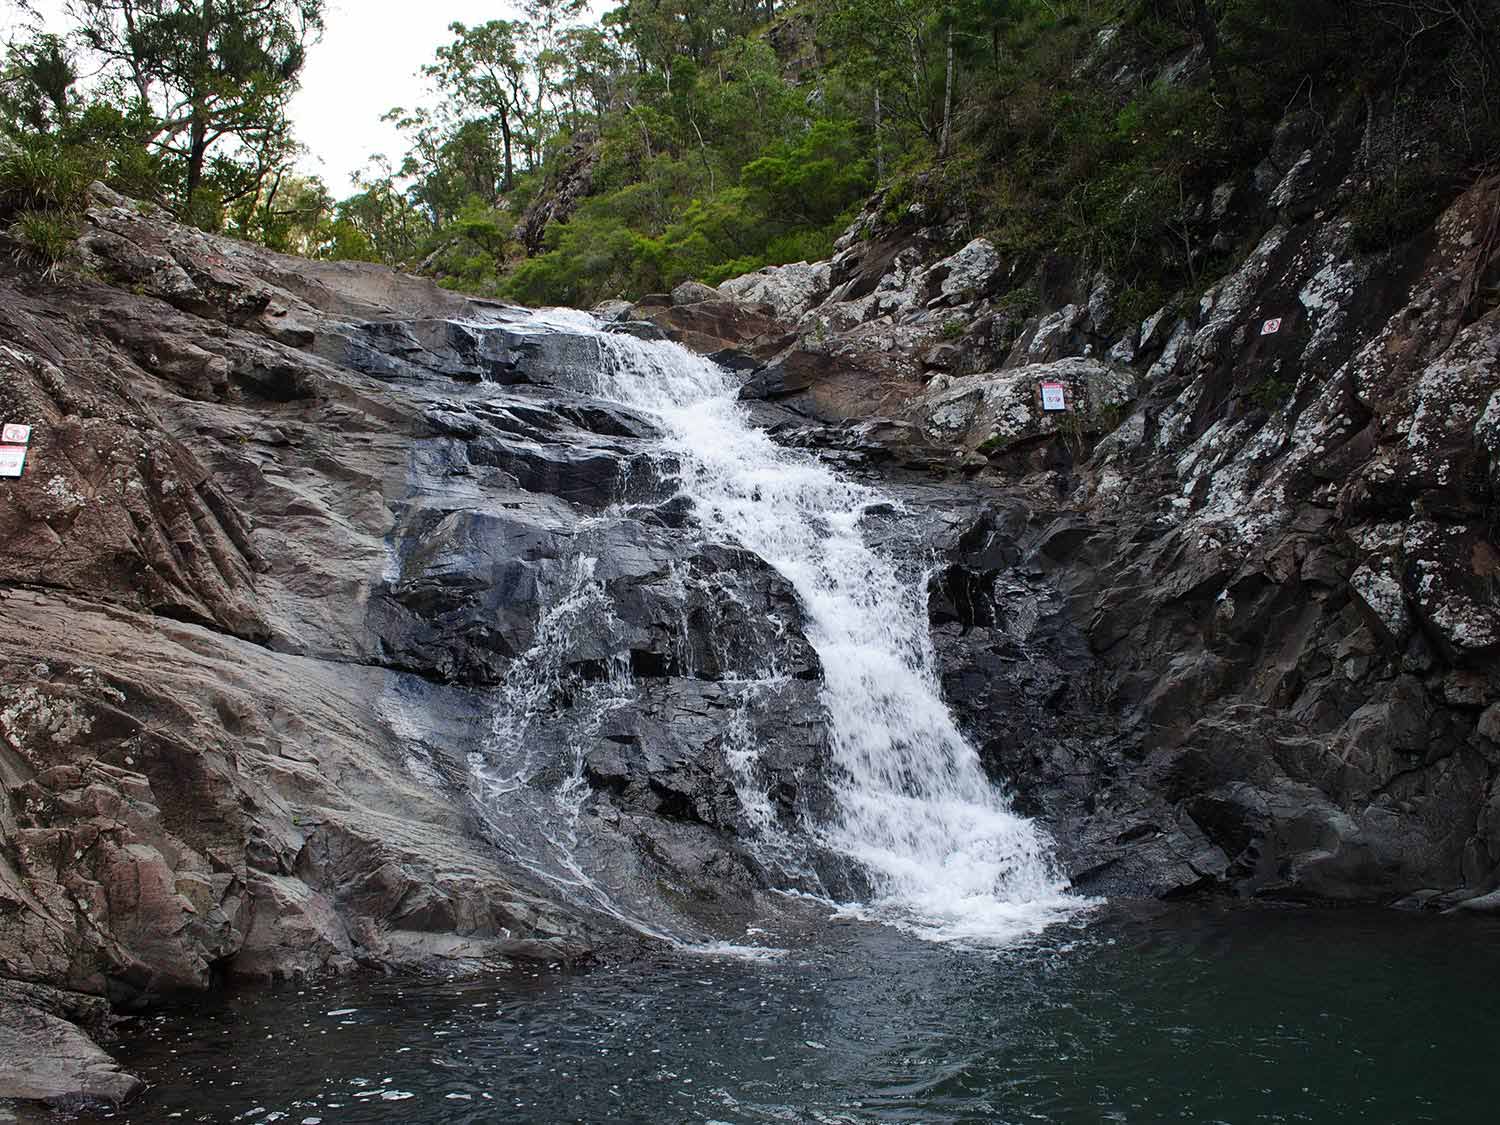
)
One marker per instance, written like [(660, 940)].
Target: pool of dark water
[(1136, 1014)]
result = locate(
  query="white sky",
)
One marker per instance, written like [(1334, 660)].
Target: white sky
[(366, 63)]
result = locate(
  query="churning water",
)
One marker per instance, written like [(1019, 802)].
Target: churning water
[(947, 857)]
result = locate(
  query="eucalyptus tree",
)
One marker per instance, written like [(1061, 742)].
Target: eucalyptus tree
[(592, 71), (549, 21), (211, 78), (484, 72)]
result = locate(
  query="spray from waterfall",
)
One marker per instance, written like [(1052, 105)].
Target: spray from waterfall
[(947, 857)]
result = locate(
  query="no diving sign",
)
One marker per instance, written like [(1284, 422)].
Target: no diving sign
[(13, 441), (1054, 397)]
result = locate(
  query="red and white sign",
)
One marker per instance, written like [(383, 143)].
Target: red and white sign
[(12, 460), (1054, 397), (1271, 327), (14, 434)]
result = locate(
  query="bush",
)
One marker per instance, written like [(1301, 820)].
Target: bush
[(40, 175), (137, 173), (1270, 393), (1390, 216), (44, 239)]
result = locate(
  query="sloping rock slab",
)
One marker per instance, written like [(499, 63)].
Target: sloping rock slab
[(47, 1059)]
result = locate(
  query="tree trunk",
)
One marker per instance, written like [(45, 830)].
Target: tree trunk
[(947, 140), (142, 84), (198, 126), (920, 102), (879, 141), (510, 172), (1208, 31)]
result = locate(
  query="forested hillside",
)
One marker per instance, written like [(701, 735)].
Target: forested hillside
[(559, 160)]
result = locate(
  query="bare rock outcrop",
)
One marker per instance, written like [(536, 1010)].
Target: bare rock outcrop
[(560, 195)]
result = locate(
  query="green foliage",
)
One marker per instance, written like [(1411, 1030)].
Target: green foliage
[(702, 172), (185, 105), (588, 259), (209, 81), (1119, 175), (44, 239), (1394, 212), (679, 139), (39, 174), (1134, 304), (473, 249), (1271, 393), (378, 224), (1021, 301)]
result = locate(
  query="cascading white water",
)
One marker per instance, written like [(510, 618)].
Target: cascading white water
[(947, 857)]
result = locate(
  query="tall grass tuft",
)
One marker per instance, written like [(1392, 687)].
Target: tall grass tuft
[(44, 239), (37, 174)]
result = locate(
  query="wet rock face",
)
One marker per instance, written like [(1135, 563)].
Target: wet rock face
[(45, 1055), (61, 1066)]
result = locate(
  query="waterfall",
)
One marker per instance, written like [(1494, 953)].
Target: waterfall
[(946, 856)]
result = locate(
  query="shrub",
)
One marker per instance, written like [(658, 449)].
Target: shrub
[(1271, 392), (44, 239), (135, 172), (38, 174), (205, 210)]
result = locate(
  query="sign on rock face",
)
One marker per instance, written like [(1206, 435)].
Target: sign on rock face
[(1054, 397), (12, 460), (14, 434), (1271, 327)]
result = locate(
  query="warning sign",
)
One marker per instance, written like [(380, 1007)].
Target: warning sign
[(12, 460), (1054, 397), (13, 434), (1271, 327)]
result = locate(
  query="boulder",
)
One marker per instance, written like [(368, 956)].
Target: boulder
[(692, 292), (966, 275), (998, 410), (788, 290), (47, 1059)]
